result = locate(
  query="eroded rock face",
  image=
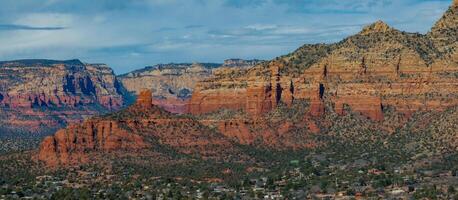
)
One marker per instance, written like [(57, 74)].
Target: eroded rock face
[(173, 105), (237, 129), (47, 89), (256, 95), (261, 133), (72, 145), (139, 128), (167, 81), (145, 99), (317, 107), (377, 68), (57, 83), (174, 84), (205, 101), (367, 105)]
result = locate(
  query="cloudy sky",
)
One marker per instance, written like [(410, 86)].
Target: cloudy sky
[(130, 34)]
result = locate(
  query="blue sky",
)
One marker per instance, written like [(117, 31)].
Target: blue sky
[(130, 34)]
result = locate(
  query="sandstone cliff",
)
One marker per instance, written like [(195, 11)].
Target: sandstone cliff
[(50, 93), (256, 90), (169, 80), (374, 81), (173, 84), (377, 68), (70, 146), (142, 127)]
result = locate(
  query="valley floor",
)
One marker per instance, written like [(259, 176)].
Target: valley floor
[(357, 160)]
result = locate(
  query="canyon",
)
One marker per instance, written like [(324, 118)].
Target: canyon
[(377, 75), (37, 97)]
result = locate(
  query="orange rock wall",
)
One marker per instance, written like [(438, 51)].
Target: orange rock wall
[(259, 96), (72, 145)]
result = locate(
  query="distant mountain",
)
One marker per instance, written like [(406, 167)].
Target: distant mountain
[(166, 80), (38, 96), (39, 63), (172, 84)]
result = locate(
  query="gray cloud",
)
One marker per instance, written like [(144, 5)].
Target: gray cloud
[(8, 27)]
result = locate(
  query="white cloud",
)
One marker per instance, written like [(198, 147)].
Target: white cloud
[(46, 19), (262, 27), (292, 30)]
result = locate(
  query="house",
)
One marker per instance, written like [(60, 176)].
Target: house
[(324, 196), (375, 171), (397, 191)]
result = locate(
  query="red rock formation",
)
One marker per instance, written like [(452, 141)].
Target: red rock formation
[(275, 84), (237, 129), (287, 95), (145, 99), (173, 105), (317, 107), (205, 101), (368, 106), (63, 84), (72, 145), (259, 99), (261, 132), (135, 129), (256, 95), (42, 86), (376, 68), (173, 84)]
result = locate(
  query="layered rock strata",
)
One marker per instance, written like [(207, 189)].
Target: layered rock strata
[(377, 68), (139, 128), (256, 94), (47, 93), (173, 84)]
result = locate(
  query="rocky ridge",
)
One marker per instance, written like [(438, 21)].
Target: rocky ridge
[(173, 84), (372, 82), (241, 63), (376, 70), (443, 34), (44, 95), (141, 127), (47, 93)]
